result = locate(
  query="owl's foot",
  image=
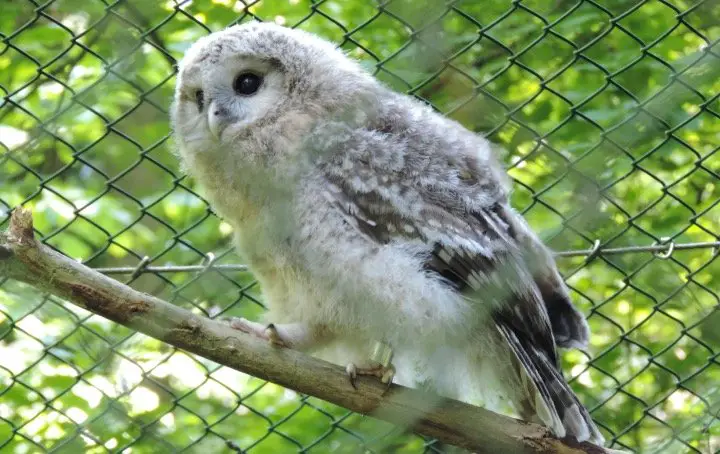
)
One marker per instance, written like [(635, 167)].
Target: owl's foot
[(265, 332), (384, 373)]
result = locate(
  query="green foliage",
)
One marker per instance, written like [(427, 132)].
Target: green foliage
[(608, 115)]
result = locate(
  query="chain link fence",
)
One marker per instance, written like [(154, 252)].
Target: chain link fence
[(609, 113)]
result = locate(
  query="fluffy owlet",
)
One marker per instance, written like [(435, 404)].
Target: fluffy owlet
[(369, 219)]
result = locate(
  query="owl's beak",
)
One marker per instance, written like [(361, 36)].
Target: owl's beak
[(217, 119)]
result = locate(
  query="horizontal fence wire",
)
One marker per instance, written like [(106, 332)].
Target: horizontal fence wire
[(666, 250), (606, 114)]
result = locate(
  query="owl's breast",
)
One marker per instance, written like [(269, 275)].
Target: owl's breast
[(266, 243)]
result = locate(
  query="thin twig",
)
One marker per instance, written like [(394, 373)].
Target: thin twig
[(24, 258)]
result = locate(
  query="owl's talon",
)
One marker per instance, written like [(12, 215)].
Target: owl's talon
[(265, 332), (385, 374), (351, 372), (388, 375), (273, 336)]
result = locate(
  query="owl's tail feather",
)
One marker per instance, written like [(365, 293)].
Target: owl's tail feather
[(569, 327), (548, 397)]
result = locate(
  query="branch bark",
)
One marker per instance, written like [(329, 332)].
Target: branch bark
[(24, 258)]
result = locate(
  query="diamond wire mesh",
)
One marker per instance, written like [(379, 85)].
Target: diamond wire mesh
[(609, 111)]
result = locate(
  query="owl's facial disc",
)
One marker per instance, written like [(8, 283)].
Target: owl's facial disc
[(236, 85)]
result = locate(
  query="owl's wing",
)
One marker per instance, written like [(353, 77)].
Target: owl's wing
[(486, 251)]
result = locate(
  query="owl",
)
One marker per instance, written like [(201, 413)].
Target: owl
[(375, 224)]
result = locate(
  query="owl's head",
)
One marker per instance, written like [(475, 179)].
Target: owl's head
[(256, 88)]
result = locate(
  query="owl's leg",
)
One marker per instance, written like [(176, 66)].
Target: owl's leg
[(299, 336), (382, 366)]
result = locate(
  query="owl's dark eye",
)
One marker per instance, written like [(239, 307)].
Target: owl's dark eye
[(200, 99), (247, 83)]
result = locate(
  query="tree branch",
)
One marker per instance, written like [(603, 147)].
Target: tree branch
[(23, 258)]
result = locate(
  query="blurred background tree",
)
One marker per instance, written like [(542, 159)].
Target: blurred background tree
[(608, 117)]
